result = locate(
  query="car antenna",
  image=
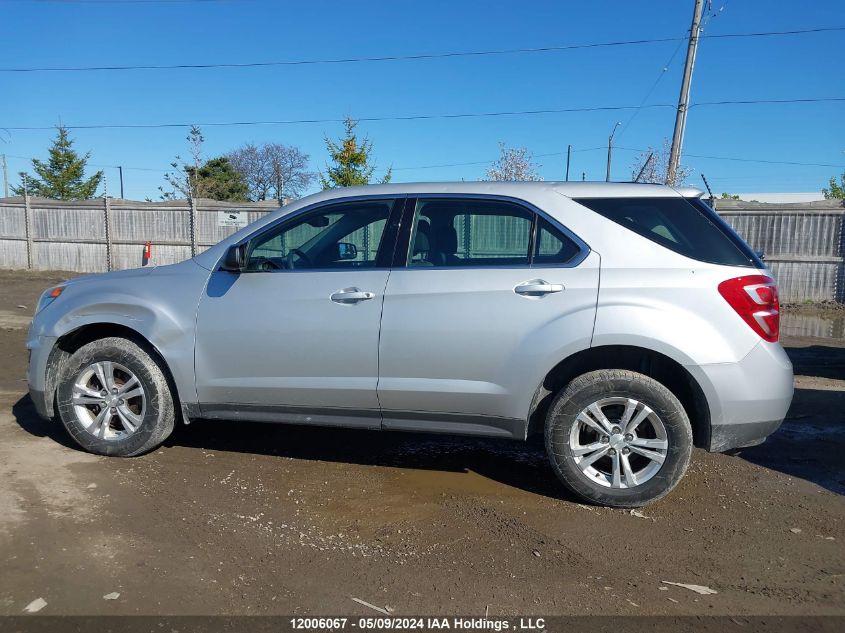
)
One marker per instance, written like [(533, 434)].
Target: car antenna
[(710, 191), (645, 164)]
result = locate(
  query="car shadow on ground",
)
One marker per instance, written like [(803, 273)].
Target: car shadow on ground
[(809, 445), (821, 361), (521, 465), (32, 423), (811, 442)]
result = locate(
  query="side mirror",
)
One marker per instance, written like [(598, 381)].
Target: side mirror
[(235, 260), (345, 250)]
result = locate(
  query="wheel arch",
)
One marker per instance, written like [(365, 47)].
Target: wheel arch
[(666, 370), (72, 340)]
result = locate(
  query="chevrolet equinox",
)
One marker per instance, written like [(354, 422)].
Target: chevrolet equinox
[(626, 323)]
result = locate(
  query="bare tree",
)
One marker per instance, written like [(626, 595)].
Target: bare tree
[(289, 170), (653, 166), (183, 181), (250, 161), (273, 170), (514, 163)]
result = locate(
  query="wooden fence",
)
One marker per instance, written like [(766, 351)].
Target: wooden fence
[(802, 242), (109, 234)]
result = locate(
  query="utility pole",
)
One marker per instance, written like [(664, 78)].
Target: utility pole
[(5, 178), (610, 149), (568, 156), (120, 169), (683, 99), (280, 186)]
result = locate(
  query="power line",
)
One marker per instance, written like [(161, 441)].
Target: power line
[(418, 56), (765, 101), (761, 160), (412, 117), (543, 155), (422, 117), (487, 162), (629, 149), (743, 160), (121, 1), (667, 65), (651, 90), (100, 166)]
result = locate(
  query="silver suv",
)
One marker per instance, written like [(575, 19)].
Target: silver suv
[(626, 323)]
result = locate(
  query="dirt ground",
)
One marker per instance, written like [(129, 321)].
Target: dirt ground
[(239, 518)]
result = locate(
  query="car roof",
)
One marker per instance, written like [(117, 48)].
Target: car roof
[(515, 189)]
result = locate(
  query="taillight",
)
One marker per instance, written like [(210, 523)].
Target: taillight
[(755, 299)]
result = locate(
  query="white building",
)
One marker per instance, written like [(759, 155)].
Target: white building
[(782, 197)]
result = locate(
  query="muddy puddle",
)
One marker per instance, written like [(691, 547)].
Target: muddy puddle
[(813, 323)]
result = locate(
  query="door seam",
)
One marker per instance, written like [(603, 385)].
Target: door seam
[(378, 350)]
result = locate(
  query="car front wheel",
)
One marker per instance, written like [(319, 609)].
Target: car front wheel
[(618, 438), (114, 399)]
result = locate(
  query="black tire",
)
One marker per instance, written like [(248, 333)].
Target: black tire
[(592, 387), (158, 417)]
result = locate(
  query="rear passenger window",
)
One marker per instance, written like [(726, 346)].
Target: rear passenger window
[(684, 225), (470, 233), (553, 247)]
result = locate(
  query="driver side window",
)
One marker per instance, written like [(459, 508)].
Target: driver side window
[(341, 236)]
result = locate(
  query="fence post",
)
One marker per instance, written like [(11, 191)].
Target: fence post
[(107, 209), (839, 287), (193, 207), (28, 229)]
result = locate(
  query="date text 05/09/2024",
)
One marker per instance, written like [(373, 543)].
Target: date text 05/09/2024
[(406, 623)]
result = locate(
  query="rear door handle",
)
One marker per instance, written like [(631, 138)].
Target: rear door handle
[(537, 288), (351, 295)]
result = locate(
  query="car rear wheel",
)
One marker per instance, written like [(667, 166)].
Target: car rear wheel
[(114, 399), (618, 438)]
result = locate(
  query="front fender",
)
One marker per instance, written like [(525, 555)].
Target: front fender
[(160, 306)]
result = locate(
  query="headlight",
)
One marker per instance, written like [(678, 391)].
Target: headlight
[(48, 297)]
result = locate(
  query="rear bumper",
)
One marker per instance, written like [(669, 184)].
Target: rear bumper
[(748, 400)]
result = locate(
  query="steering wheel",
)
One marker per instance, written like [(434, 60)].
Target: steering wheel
[(299, 254), (265, 264)]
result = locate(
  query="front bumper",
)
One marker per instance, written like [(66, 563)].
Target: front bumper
[(748, 400), (39, 355)]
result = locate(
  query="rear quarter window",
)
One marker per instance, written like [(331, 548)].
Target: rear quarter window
[(684, 225)]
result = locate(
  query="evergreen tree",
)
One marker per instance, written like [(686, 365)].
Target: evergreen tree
[(351, 161), (837, 190), (62, 177), (218, 180)]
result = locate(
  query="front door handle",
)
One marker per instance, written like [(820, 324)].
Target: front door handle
[(537, 288), (351, 296)]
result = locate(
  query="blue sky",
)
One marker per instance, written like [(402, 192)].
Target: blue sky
[(115, 32)]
